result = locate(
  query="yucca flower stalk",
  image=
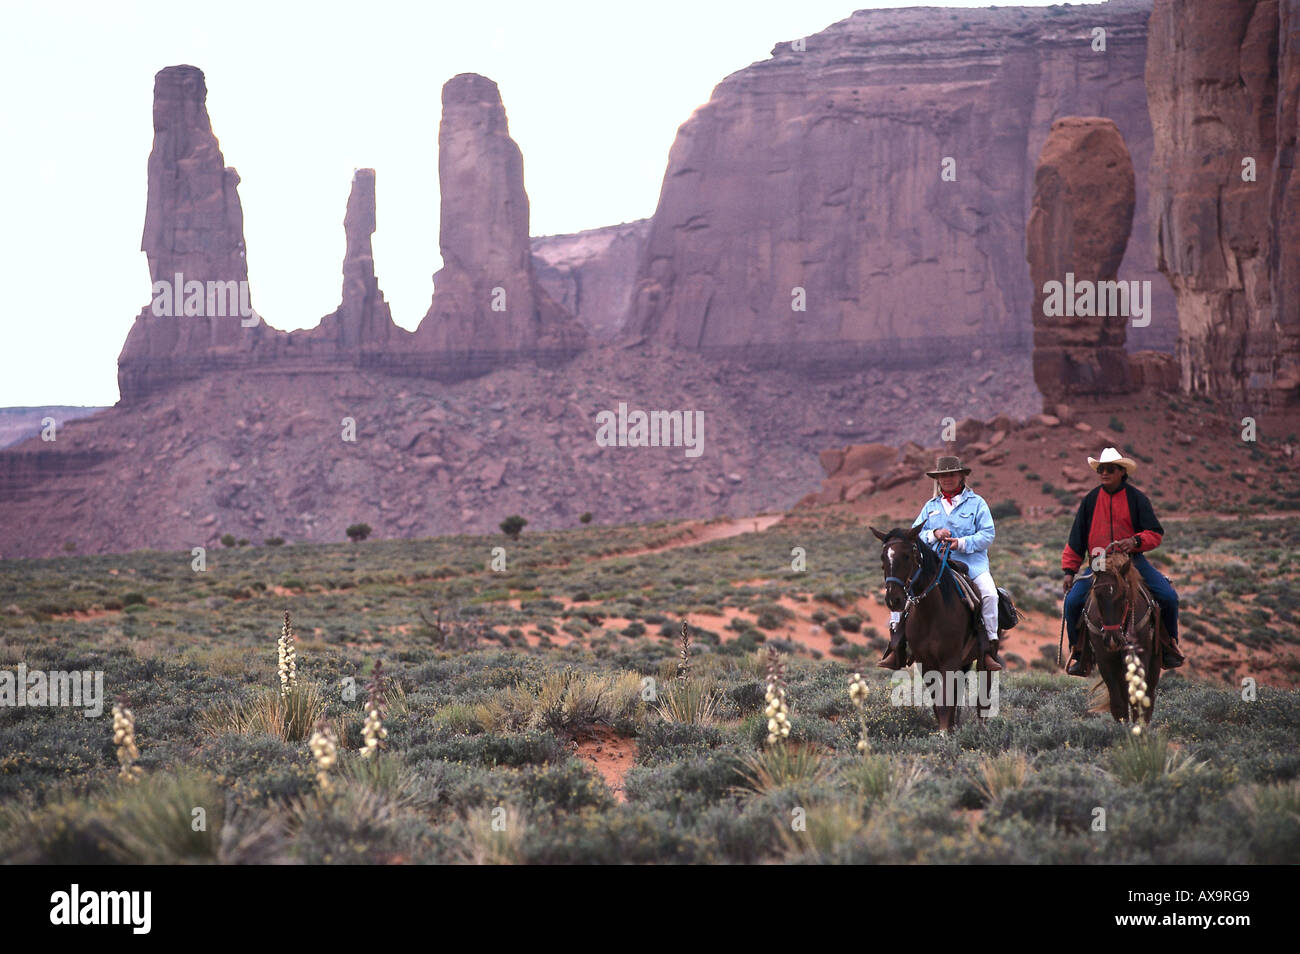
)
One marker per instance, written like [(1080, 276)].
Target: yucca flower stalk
[(1136, 676), (858, 694), (684, 663), (777, 711), (288, 658), (124, 739), (373, 732), (325, 750)]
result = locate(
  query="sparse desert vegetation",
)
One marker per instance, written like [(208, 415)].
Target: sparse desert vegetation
[(546, 714)]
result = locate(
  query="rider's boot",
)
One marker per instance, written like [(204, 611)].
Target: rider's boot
[(1078, 666), (897, 651), (990, 661), (1170, 657)]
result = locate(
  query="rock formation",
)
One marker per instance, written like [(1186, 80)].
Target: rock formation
[(363, 320), (194, 228), (1076, 236), (591, 274), (1223, 82), (487, 306), (821, 169)]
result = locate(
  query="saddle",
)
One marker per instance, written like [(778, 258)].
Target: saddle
[(1008, 615)]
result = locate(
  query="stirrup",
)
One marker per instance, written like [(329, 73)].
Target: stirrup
[(1076, 666)]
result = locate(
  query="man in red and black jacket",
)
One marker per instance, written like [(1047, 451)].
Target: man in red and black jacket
[(1116, 512)]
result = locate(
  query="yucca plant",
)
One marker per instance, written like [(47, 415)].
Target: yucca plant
[(287, 654), (694, 702), (1147, 758), (289, 716), (386, 775), (494, 836), (999, 774), (824, 826), (167, 819), (878, 778), (780, 766), (1280, 798)]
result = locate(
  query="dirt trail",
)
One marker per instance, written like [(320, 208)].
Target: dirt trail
[(696, 533)]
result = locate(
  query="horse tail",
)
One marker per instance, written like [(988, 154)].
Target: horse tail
[(1098, 697)]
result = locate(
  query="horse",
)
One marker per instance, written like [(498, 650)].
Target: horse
[(1124, 630), (939, 627)]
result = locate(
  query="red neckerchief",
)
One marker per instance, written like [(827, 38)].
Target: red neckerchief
[(951, 498)]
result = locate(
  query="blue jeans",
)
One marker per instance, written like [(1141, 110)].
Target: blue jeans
[(1161, 589)]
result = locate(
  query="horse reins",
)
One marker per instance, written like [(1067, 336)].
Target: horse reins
[(911, 598)]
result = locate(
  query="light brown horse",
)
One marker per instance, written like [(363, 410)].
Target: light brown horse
[(1124, 626), (939, 627)]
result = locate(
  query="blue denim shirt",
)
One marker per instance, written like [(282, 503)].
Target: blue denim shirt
[(970, 522)]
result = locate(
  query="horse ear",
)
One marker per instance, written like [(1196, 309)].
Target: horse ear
[(914, 532), (882, 537)]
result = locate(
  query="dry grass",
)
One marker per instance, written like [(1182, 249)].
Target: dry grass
[(289, 716)]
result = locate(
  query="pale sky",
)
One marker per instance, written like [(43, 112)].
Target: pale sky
[(299, 96)]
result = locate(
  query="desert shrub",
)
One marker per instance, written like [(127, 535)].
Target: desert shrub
[(568, 702), (513, 525), (1005, 510), (488, 749), (228, 540), (358, 532)]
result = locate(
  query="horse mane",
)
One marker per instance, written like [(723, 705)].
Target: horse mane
[(929, 562)]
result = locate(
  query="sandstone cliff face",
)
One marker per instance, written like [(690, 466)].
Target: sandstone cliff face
[(1077, 232), (1223, 81), (591, 274), (821, 170), (487, 304)]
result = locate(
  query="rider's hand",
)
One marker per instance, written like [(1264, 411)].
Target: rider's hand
[(942, 534), (1069, 583), (1125, 546)]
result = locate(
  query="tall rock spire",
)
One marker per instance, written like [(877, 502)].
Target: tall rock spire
[(1077, 232), (487, 303), (363, 320), (194, 239)]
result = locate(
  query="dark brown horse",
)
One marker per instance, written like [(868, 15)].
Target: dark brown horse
[(939, 628), (1124, 628)]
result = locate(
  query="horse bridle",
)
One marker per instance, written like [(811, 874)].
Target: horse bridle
[(911, 598), (1126, 623)]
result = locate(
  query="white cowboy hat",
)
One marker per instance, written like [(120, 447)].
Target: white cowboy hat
[(1112, 456)]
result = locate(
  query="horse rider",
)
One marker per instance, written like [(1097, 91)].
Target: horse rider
[(959, 517), (1115, 512)]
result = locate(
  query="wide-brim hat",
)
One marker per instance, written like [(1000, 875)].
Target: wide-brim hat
[(1111, 456), (947, 465)]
